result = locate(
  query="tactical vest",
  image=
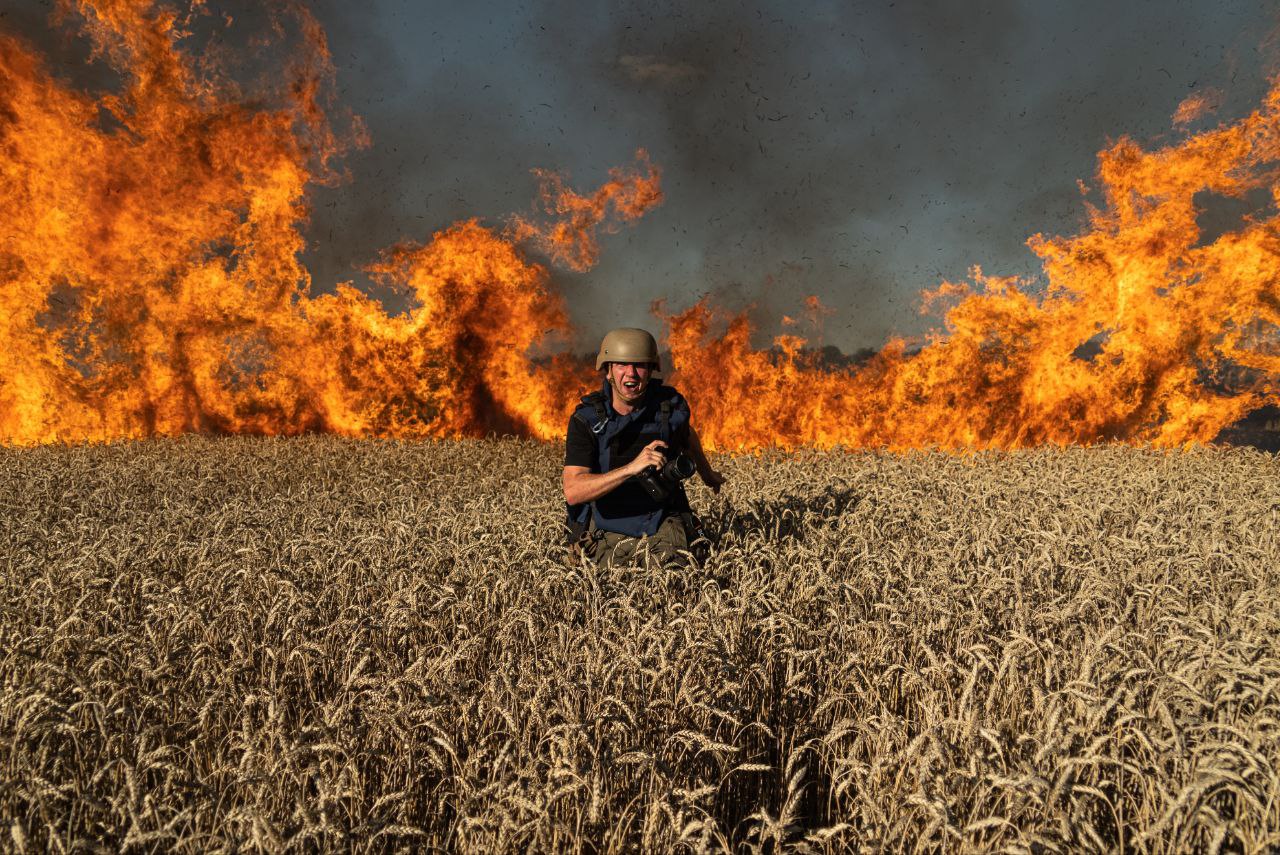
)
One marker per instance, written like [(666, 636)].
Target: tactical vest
[(628, 510)]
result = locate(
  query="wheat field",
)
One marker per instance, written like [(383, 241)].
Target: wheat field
[(297, 644)]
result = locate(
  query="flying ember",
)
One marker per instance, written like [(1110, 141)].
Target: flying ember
[(152, 286)]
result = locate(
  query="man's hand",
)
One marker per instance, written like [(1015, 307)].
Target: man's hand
[(713, 479), (709, 476), (651, 456)]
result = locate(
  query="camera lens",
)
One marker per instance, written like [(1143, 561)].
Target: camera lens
[(680, 468)]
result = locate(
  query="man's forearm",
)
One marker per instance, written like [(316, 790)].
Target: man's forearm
[(582, 485), (700, 461), (588, 486)]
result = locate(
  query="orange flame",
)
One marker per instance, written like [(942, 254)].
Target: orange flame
[(571, 241), (151, 286), (1164, 311), (151, 275), (1196, 106)]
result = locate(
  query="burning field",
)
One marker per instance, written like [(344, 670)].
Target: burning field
[(152, 285), (271, 582), (320, 643)]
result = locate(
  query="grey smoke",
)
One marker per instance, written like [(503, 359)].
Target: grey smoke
[(856, 151)]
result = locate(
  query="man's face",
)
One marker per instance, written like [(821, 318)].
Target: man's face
[(630, 379)]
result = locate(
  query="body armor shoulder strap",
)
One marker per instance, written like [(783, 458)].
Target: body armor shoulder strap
[(592, 413), (596, 401)]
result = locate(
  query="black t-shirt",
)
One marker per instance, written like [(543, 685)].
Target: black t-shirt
[(629, 498), (580, 447)]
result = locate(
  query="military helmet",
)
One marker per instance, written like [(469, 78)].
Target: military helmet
[(628, 344)]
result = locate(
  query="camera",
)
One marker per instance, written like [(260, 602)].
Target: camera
[(660, 484)]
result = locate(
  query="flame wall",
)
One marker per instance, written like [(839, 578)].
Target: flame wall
[(151, 286), (1130, 336), (151, 276)]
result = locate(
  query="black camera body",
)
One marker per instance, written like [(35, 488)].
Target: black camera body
[(662, 483)]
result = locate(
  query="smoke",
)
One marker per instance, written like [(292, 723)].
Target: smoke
[(863, 152), (860, 152)]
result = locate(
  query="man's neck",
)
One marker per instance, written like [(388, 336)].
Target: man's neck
[(620, 406)]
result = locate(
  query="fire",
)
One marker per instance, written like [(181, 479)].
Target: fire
[(1196, 106), (151, 286), (571, 241), (1140, 319), (151, 276)]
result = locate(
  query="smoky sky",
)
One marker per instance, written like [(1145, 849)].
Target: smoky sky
[(857, 151)]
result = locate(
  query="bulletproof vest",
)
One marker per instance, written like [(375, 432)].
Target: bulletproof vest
[(628, 509)]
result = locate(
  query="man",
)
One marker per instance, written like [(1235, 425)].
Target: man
[(620, 439)]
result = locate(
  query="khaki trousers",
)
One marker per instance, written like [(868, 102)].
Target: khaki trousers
[(668, 546)]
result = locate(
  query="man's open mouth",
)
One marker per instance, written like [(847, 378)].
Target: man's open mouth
[(631, 385)]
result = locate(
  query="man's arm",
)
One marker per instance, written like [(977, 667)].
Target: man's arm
[(709, 476), (583, 485)]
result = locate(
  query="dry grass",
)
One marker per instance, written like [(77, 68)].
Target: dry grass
[(266, 644)]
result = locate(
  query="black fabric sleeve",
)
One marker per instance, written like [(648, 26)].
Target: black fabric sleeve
[(580, 447)]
